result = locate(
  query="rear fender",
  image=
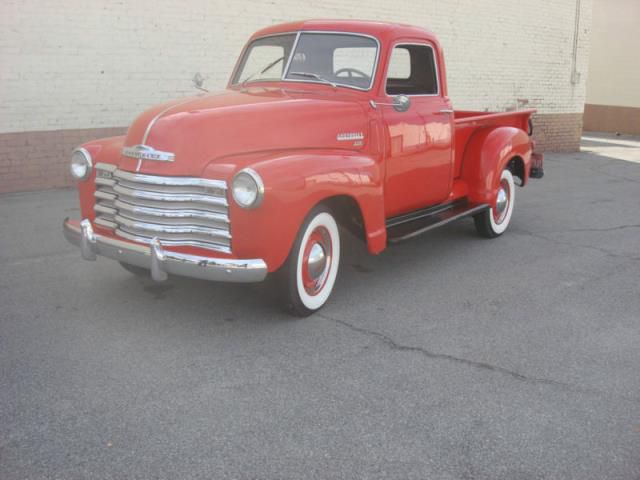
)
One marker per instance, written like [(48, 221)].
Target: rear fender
[(294, 184), (487, 153)]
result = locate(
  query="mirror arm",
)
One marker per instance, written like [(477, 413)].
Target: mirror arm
[(375, 104), (398, 106)]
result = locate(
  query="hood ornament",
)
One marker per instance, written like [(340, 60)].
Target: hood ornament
[(145, 152)]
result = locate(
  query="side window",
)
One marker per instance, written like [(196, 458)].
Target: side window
[(399, 65), (412, 71)]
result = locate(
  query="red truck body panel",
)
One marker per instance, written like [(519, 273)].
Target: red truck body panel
[(467, 123), (286, 132)]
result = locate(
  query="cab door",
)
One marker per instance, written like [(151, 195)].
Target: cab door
[(419, 158)]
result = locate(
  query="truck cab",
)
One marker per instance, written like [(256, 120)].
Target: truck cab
[(323, 126)]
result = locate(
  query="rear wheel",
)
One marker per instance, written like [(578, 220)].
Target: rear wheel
[(137, 271), (309, 274), (494, 221)]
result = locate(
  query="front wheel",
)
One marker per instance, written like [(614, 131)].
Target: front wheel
[(494, 221), (309, 274)]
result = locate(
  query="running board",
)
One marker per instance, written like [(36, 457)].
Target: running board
[(416, 223)]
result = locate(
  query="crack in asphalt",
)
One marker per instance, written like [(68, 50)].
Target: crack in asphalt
[(606, 229), (391, 343), (442, 356)]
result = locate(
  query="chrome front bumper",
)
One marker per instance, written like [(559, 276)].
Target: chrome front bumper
[(162, 262)]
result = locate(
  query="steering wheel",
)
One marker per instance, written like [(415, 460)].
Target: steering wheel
[(351, 72)]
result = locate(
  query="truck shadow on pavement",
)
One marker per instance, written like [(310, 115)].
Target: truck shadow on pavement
[(360, 273)]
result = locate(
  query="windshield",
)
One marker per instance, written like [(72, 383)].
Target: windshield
[(265, 58), (338, 59)]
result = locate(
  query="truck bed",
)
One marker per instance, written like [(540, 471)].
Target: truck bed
[(468, 122)]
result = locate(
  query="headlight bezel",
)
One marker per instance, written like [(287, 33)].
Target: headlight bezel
[(259, 188), (88, 163)]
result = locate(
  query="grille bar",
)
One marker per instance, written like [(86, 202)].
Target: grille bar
[(176, 210), (167, 196), (105, 209), (167, 228), (170, 181), (170, 213), (106, 223), (103, 195)]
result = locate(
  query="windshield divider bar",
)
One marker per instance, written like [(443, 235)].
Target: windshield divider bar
[(285, 70)]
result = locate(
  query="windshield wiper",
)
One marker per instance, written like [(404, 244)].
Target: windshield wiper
[(264, 70), (316, 76)]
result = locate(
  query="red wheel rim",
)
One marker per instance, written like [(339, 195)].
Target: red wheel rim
[(316, 261), (502, 202)]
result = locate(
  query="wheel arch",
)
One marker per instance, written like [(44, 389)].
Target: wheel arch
[(353, 214), (347, 213), (517, 167), (488, 152), (349, 183)]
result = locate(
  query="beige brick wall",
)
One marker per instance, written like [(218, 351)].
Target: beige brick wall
[(613, 88), (558, 132), (78, 64), (614, 66)]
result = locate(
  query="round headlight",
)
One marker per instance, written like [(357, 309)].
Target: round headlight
[(80, 164), (247, 188)]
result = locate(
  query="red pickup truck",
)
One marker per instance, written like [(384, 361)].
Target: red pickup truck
[(323, 124)]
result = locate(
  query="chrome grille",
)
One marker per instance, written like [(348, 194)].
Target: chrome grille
[(176, 210)]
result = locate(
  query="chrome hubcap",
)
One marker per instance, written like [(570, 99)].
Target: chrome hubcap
[(502, 202), (317, 261)]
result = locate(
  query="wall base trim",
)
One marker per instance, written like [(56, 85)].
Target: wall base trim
[(610, 118), (557, 132), (39, 160)]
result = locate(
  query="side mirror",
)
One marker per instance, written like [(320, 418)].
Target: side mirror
[(401, 103), (198, 81)]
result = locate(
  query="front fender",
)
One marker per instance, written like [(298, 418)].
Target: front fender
[(294, 183), (487, 154), (104, 150)]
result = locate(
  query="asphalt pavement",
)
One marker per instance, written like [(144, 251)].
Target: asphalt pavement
[(446, 357)]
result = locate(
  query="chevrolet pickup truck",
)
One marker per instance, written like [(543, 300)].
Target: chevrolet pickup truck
[(324, 127)]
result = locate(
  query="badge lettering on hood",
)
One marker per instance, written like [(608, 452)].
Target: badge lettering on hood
[(145, 152), (350, 136), (356, 137)]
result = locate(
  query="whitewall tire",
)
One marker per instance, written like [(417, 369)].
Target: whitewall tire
[(310, 272), (494, 221)]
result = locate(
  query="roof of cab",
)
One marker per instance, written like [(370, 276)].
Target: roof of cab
[(381, 30)]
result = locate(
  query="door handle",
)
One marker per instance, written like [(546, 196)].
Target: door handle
[(446, 110)]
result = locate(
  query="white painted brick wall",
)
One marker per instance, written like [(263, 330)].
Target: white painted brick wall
[(96, 63)]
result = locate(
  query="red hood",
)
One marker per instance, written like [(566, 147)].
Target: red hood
[(202, 129)]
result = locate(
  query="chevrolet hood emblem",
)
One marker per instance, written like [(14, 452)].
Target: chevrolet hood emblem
[(145, 152)]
